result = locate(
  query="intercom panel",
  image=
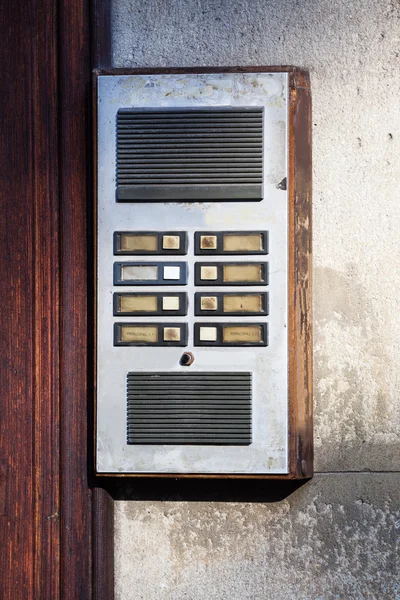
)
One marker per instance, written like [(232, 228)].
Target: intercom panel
[(203, 347)]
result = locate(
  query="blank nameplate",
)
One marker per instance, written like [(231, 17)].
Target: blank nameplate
[(245, 272), (243, 304), (139, 273), (150, 242), (138, 304), (151, 334), (138, 243), (144, 304), (227, 273), (150, 273), (247, 242)]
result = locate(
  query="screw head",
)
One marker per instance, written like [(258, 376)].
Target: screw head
[(187, 359)]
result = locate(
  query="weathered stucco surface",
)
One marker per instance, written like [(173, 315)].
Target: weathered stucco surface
[(335, 537)]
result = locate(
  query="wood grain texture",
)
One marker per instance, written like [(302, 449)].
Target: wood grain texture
[(46, 302), (76, 506), (54, 525), (101, 33), (299, 274), (29, 529), (86, 512), (300, 256)]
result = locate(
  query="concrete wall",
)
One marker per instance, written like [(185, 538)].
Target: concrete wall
[(334, 538)]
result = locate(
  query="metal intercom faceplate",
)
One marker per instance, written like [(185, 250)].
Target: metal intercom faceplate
[(193, 176)]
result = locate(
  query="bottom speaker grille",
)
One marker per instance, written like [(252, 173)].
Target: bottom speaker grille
[(195, 408)]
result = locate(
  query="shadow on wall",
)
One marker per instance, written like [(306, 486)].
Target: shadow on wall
[(199, 490)]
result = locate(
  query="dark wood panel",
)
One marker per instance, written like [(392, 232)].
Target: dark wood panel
[(45, 241), (86, 511), (16, 318), (300, 256), (101, 33), (182, 70), (55, 526), (76, 501)]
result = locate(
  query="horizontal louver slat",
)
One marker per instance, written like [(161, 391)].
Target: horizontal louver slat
[(190, 154), (193, 408)]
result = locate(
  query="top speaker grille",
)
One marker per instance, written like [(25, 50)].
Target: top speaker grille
[(189, 154)]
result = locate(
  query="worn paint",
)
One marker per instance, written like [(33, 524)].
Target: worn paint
[(333, 539)]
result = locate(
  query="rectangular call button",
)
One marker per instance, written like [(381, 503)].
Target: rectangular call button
[(231, 242), (171, 242), (150, 273), (243, 273), (171, 273), (231, 334), (150, 242), (150, 334), (208, 303), (231, 304), (172, 334), (207, 272), (208, 242), (145, 304), (172, 303), (208, 334)]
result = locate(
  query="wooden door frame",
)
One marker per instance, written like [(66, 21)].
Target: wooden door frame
[(56, 521)]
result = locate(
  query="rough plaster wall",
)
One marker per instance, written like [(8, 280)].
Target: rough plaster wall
[(334, 538)]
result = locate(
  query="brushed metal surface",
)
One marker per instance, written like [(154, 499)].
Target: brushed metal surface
[(268, 451)]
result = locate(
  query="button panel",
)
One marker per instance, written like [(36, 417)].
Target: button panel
[(227, 273), (150, 273), (143, 304), (150, 242), (150, 334), (231, 334), (233, 304), (231, 242), (206, 304)]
